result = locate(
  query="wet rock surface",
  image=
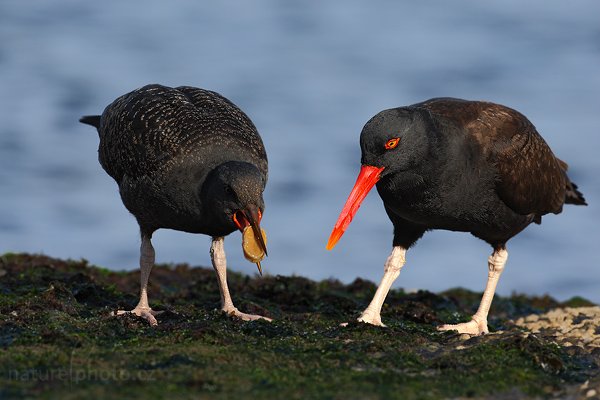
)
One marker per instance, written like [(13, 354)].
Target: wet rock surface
[(57, 339), (577, 331)]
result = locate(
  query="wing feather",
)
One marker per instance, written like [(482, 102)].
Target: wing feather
[(530, 179)]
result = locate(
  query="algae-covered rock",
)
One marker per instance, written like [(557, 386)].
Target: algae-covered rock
[(58, 340)]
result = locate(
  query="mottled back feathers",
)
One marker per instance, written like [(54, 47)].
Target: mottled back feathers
[(152, 128)]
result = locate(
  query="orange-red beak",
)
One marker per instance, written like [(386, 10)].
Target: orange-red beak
[(367, 178)]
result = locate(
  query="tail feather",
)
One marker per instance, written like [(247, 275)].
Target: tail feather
[(574, 196), (93, 120)]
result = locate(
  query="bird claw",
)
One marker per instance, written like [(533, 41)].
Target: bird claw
[(234, 312), (371, 318), (473, 327), (145, 312)]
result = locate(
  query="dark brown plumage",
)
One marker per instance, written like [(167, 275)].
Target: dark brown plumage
[(531, 180), (187, 159), (161, 143), (457, 165)]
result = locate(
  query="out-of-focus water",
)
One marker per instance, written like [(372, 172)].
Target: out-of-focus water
[(309, 74)]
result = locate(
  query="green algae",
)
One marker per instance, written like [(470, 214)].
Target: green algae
[(57, 339)]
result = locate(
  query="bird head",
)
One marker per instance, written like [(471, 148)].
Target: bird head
[(393, 141), (235, 200)]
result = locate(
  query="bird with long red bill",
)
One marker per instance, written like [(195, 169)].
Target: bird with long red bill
[(187, 159), (457, 165)]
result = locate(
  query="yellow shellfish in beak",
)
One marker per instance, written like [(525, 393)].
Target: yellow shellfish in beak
[(254, 248)]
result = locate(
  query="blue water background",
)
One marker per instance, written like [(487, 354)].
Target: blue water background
[(309, 74)]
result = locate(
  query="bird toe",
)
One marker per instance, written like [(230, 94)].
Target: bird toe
[(234, 312), (147, 313), (472, 327), (372, 319)]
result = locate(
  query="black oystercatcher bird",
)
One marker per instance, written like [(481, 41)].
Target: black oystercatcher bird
[(458, 165), (186, 159)]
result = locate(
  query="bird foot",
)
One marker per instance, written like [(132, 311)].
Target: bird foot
[(372, 318), (234, 312), (145, 312), (473, 327)]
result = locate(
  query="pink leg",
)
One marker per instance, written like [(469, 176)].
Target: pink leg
[(478, 323), (146, 262), (219, 262), (393, 265)]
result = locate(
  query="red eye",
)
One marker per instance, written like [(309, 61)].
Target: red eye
[(390, 144)]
